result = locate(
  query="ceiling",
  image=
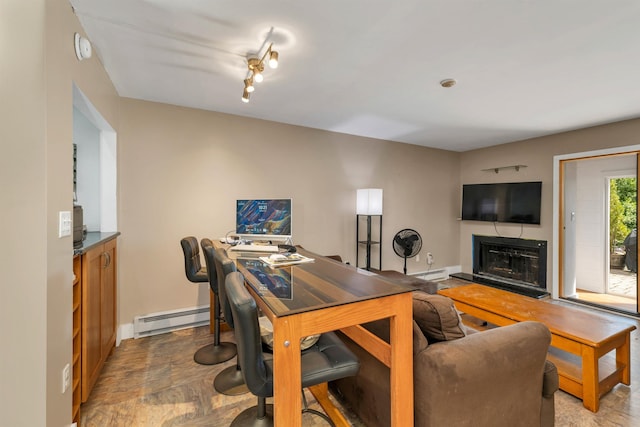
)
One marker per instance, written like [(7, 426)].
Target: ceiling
[(373, 68)]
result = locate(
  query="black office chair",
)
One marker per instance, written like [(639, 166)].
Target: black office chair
[(328, 360), (217, 352), (196, 273), (229, 381), (192, 266)]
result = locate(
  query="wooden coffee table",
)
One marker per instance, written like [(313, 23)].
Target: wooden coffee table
[(579, 339)]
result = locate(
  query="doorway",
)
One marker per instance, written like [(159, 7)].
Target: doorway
[(598, 216)]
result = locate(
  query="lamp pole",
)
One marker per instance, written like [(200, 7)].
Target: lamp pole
[(368, 242)]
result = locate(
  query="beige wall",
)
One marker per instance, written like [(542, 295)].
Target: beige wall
[(181, 171), (23, 290), (538, 155), (37, 70)]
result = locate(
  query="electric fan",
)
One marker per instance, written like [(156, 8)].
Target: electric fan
[(407, 243)]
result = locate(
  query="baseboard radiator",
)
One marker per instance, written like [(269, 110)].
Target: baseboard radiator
[(439, 274), (167, 321)]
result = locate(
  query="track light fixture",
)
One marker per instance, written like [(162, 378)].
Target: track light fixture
[(248, 84), (245, 95), (256, 70)]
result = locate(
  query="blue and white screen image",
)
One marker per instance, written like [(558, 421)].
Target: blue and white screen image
[(264, 217)]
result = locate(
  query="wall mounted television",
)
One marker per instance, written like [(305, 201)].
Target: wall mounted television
[(267, 219), (515, 202)]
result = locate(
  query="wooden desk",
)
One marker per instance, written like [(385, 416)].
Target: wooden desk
[(325, 296), (588, 336)]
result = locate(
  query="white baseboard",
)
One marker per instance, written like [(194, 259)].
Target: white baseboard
[(125, 332)]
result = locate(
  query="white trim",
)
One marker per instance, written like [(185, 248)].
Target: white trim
[(125, 332)]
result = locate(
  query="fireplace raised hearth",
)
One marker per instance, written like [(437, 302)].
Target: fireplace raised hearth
[(517, 265)]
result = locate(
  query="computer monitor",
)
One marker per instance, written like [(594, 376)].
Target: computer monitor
[(263, 219)]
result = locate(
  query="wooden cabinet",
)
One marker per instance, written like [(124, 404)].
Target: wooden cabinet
[(98, 311), (77, 339)]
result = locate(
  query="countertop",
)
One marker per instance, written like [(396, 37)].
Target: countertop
[(94, 238)]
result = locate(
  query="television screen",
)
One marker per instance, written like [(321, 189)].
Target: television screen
[(263, 217), (517, 202)]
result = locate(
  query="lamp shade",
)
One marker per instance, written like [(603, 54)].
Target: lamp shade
[(369, 201)]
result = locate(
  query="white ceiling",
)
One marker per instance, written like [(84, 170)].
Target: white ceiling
[(372, 68)]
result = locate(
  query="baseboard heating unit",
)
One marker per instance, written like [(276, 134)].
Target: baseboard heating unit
[(433, 275), (167, 321)]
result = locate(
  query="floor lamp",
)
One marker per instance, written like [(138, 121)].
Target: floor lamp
[(369, 204)]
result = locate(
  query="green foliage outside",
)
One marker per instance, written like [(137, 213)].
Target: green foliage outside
[(622, 209)]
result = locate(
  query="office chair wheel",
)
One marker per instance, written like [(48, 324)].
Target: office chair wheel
[(249, 418), (213, 354), (230, 382)]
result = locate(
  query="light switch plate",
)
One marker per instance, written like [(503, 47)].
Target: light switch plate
[(66, 377), (64, 227)]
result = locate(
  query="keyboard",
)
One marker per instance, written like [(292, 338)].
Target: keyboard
[(255, 248)]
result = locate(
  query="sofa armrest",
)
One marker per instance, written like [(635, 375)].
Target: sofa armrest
[(492, 378)]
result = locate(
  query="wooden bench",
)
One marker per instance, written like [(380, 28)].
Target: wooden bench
[(579, 339)]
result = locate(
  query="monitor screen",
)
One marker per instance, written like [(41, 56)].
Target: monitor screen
[(517, 202), (263, 218)]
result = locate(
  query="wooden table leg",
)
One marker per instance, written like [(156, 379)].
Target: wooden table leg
[(287, 371), (590, 379), (401, 334), (623, 358), (321, 393)]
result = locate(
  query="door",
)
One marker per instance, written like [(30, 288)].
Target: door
[(589, 244), (91, 326), (108, 296)]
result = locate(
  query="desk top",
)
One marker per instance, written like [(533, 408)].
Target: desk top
[(312, 286)]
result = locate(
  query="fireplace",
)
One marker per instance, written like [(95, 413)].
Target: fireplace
[(517, 265)]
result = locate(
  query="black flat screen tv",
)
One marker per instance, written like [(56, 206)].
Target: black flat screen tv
[(516, 202)]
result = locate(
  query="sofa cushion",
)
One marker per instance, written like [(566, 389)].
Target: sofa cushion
[(437, 317)]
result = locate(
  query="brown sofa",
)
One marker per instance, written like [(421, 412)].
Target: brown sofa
[(499, 377)]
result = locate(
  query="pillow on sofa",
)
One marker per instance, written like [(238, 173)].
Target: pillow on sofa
[(437, 317)]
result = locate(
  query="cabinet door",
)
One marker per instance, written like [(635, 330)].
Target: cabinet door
[(108, 296), (91, 312)]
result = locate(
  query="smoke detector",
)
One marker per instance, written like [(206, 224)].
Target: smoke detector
[(82, 46)]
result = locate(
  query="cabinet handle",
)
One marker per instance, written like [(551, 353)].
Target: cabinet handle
[(107, 259)]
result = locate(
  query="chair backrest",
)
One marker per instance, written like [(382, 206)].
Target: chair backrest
[(247, 332), (192, 265), (224, 266), (208, 250)]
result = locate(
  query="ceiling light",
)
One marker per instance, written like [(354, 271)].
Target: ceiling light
[(256, 69), (245, 96), (273, 59), (448, 83), (248, 84)]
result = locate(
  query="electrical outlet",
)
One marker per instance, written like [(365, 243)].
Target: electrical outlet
[(66, 377), (429, 258)]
